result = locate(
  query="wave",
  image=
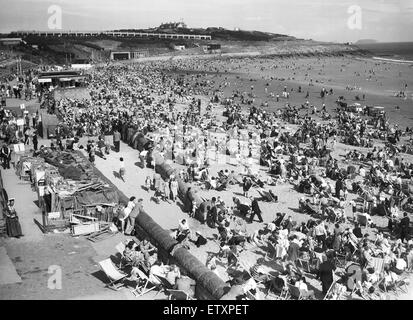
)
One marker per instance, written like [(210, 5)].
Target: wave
[(393, 60)]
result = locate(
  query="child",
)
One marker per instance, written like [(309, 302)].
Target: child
[(122, 169), (92, 156), (193, 212), (148, 183)]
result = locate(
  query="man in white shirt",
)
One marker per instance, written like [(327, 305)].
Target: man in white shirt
[(400, 266), (320, 233), (126, 212)]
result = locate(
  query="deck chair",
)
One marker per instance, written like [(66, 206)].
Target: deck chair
[(279, 252), (377, 290), (279, 223), (315, 261), (165, 284), (341, 261), (294, 292), (330, 293), (378, 264), (410, 268), (304, 265), (401, 285), (362, 220), (275, 294), (267, 196), (142, 284), (236, 261), (178, 295), (115, 276), (245, 267), (250, 296), (282, 296), (272, 252), (390, 287)]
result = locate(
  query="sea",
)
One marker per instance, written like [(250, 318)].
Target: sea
[(402, 51)]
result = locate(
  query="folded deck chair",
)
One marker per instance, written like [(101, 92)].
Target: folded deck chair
[(114, 275), (142, 284), (178, 295)]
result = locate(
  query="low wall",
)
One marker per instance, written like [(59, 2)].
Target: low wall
[(208, 285), (165, 170)]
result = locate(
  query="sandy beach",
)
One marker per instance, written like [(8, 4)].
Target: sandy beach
[(264, 78)]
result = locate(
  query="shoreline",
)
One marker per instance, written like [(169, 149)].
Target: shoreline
[(392, 60)]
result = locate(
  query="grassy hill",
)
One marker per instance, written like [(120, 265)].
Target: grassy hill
[(55, 50)]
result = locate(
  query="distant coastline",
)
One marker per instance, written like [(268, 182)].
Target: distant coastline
[(399, 52)]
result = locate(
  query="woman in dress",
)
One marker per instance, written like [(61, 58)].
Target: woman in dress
[(174, 189), (13, 227), (166, 191)]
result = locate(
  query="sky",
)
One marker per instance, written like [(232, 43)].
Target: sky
[(323, 20)]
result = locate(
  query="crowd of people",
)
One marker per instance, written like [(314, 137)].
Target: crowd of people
[(160, 100)]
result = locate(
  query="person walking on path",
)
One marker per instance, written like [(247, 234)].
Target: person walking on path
[(174, 189), (325, 273), (6, 156), (35, 141), (116, 140), (13, 227)]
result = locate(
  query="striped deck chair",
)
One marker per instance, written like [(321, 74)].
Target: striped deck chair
[(378, 264)]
